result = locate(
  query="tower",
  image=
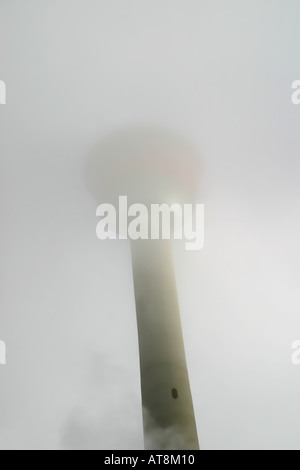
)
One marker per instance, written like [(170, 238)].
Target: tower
[(150, 166)]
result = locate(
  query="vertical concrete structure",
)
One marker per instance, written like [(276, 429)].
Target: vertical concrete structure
[(168, 412), (153, 166)]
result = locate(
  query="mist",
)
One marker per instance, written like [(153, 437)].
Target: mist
[(220, 74)]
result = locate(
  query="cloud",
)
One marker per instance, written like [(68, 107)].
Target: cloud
[(106, 416)]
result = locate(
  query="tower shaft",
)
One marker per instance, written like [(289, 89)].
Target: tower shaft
[(168, 413)]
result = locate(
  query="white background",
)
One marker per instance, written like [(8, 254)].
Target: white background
[(220, 73)]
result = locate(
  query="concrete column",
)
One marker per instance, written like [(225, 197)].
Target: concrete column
[(168, 414)]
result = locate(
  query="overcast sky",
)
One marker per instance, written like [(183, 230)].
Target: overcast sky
[(220, 74)]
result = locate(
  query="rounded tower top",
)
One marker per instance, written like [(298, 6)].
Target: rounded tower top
[(147, 164)]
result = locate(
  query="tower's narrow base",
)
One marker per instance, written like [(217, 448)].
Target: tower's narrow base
[(168, 413)]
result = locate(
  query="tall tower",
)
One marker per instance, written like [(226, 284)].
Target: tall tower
[(153, 166)]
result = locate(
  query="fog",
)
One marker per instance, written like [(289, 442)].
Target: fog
[(220, 74)]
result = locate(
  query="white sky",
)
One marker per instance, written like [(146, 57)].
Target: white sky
[(220, 73)]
